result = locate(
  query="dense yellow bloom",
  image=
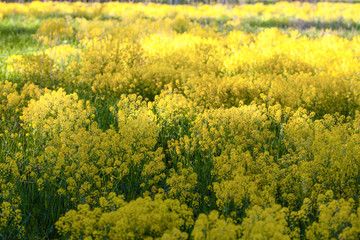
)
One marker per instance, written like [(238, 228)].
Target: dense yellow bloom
[(337, 219), (53, 31), (296, 10), (56, 112), (140, 219), (62, 54), (212, 227), (182, 186), (36, 68), (268, 223)]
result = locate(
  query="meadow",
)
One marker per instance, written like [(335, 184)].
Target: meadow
[(151, 121)]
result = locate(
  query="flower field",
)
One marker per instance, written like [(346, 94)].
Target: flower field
[(150, 121)]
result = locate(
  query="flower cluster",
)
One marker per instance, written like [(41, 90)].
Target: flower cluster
[(139, 219)]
